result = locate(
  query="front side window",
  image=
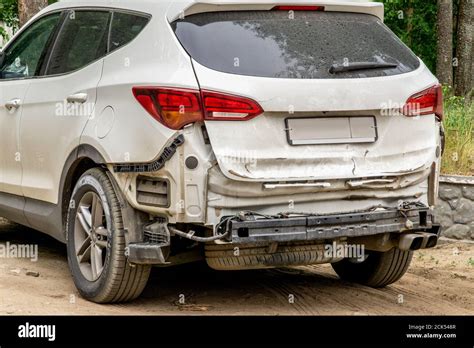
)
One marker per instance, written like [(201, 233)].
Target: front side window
[(23, 58), (82, 40)]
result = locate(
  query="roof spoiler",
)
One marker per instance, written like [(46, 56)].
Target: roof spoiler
[(183, 8)]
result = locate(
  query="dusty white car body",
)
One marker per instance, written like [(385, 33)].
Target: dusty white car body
[(271, 158), (364, 151)]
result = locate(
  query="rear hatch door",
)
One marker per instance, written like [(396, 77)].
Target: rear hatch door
[(321, 120)]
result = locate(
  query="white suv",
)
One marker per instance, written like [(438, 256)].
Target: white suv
[(251, 134)]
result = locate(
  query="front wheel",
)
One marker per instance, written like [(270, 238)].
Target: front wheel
[(379, 269), (96, 243)]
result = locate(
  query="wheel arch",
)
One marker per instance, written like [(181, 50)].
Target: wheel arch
[(81, 159)]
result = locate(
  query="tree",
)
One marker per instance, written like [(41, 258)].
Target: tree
[(28, 8), (444, 67), (414, 21), (9, 16), (410, 12), (465, 33)]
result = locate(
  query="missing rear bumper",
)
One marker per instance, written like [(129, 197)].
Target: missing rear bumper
[(328, 227)]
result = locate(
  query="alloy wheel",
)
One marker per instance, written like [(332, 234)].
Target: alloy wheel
[(91, 236)]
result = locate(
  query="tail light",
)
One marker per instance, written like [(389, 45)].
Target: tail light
[(298, 8), (172, 107), (427, 102), (219, 106), (176, 108)]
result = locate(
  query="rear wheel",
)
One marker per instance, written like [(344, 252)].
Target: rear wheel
[(96, 243), (379, 269)]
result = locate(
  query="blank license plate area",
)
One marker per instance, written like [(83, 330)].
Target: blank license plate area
[(331, 130)]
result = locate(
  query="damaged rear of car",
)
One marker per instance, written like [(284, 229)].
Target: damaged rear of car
[(256, 134), (324, 127)]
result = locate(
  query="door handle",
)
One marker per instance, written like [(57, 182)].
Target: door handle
[(79, 98), (13, 104)]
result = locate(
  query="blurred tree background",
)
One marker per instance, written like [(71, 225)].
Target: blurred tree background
[(415, 23), (441, 32), (9, 16), (438, 31), (14, 13)]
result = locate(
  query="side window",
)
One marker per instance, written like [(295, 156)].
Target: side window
[(82, 40), (125, 27), (23, 58)]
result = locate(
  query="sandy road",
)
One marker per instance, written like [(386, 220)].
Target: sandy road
[(440, 281)]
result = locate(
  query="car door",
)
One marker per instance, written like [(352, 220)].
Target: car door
[(22, 60), (58, 105)]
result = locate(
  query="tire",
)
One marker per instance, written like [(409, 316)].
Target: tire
[(379, 269), (112, 279), (223, 257)]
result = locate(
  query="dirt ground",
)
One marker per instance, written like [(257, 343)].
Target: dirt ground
[(439, 281)]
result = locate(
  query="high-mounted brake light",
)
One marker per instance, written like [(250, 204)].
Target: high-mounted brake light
[(176, 108), (427, 102), (298, 8)]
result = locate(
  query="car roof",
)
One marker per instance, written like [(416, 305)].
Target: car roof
[(173, 9)]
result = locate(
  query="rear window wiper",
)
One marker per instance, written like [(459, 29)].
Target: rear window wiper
[(339, 68)]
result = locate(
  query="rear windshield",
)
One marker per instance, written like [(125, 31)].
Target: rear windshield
[(299, 45)]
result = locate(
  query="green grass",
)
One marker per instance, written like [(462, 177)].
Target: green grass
[(458, 122)]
